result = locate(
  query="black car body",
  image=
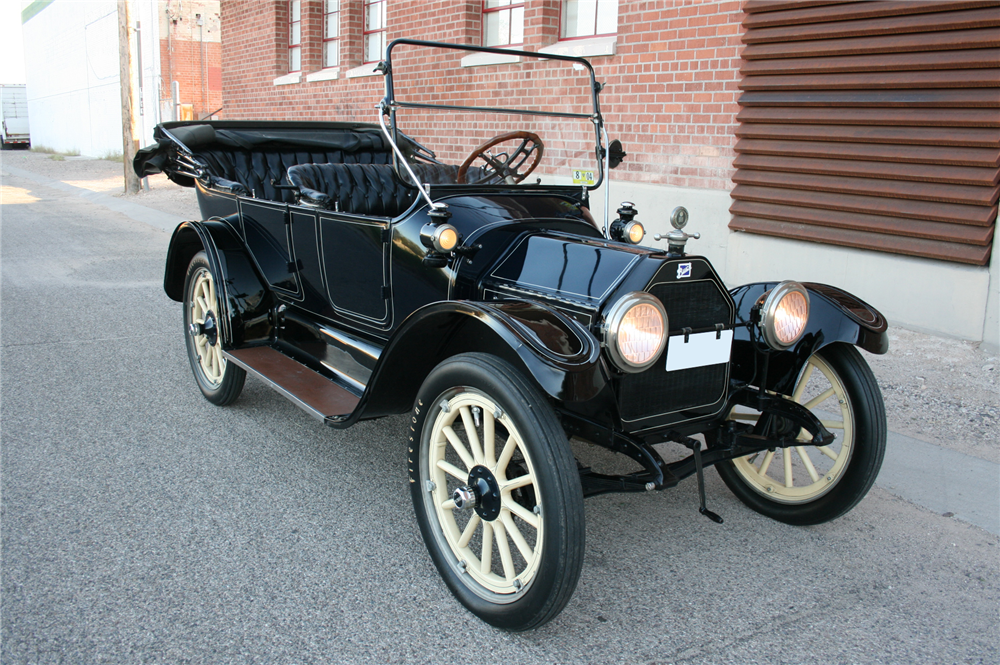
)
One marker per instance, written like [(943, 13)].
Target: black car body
[(361, 276)]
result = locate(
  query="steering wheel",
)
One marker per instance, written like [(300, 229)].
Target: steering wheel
[(504, 167)]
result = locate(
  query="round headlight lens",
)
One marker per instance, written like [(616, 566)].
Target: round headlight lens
[(640, 334), (636, 331), (635, 232), (446, 239), (785, 314), (441, 238)]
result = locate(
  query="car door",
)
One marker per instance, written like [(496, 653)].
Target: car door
[(266, 229), (354, 253)]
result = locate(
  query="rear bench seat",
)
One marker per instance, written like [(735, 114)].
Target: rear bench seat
[(256, 171)]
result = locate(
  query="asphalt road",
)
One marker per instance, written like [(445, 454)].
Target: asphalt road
[(141, 524)]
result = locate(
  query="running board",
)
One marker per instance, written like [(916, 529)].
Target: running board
[(312, 392)]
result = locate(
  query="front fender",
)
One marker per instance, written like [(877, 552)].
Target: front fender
[(834, 316), (243, 293), (559, 354)]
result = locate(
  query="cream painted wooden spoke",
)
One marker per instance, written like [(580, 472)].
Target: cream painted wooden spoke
[(203, 298), (502, 555), (805, 472)]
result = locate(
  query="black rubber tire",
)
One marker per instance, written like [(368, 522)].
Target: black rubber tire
[(555, 477), (856, 478), (222, 392)]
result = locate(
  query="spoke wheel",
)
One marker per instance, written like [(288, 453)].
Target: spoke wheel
[(220, 381), (515, 556), (811, 484), (501, 554), (210, 359)]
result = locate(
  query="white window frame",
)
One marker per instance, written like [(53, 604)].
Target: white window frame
[(379, 33), (588, 45), (597, 5), (294, 42), (509, 7), (328, 15)]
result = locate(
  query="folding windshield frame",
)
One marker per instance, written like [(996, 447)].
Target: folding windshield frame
[(390, 104)]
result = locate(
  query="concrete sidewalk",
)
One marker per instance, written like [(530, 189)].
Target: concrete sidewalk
[(936, 478), (155, 218), (943, 480)]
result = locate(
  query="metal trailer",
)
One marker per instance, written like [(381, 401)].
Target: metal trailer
[(14, 118)]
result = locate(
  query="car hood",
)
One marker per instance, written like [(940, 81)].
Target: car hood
[(582, 270)]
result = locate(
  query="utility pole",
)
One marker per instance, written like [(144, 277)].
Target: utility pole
[(129, 146)]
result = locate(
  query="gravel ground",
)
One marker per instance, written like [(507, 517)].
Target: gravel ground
[(942, 391), (939, 390)]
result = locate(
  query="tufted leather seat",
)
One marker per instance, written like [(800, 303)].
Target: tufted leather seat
[(255, 171), (363, 189)]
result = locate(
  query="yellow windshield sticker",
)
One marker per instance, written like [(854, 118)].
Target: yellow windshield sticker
[(584, 177)]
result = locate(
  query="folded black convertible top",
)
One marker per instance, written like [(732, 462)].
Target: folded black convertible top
[(197, 136)]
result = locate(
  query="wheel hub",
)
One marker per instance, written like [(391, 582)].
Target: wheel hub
[(209, 328), (482, 493)]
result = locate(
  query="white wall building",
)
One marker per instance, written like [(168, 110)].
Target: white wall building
[(72, 74)]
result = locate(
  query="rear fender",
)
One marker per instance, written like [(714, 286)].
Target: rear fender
[(559, 354), (834, 316), (246, 299)]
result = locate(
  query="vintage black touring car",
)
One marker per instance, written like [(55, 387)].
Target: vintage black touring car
[(364, 270)]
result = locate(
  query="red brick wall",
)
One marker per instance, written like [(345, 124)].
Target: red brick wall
[(670, 91), (198, 73)]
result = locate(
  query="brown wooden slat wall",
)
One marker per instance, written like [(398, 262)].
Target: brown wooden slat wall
[(872, 125)]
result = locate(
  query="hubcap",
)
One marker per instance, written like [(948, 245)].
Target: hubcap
[(209, 329), (487, 493)]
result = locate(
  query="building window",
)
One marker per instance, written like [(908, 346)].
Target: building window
[(374, 30), (294, 35), (588, 18), (503, 22), (331, 33)]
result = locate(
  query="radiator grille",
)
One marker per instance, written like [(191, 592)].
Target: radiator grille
[(657, 391), (693, 305), (697, 305)]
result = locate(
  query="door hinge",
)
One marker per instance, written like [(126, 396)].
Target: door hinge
[(386, 293), (294, 266), (386, 235)]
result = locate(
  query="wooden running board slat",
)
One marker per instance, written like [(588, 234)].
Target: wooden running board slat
[(314, 393)]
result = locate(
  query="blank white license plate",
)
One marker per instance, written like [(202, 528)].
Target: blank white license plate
[(701, 349)]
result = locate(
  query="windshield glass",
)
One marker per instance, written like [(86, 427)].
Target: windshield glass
[(527, 120)]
